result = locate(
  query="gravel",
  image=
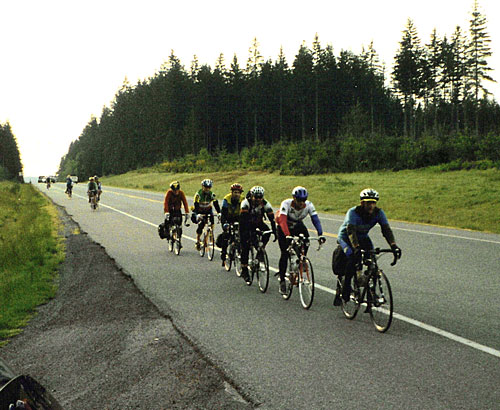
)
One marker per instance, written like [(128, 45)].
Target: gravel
[(100, 343)]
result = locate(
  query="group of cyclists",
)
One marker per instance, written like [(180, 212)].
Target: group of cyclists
[(94, 188), (251, 210)]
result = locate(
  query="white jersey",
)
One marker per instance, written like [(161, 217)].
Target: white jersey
[(296, 215)]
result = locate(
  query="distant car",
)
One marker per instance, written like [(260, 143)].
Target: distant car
[(41, 178), (74, 178)]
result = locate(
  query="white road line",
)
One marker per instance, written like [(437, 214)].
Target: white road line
[(406, 319), (428, 233)]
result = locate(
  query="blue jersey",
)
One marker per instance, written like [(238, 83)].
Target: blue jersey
[(361, 225)]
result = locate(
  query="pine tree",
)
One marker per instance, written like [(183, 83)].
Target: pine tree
[(478, 51)]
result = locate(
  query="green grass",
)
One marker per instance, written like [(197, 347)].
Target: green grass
[(30, 252), (467, 199)]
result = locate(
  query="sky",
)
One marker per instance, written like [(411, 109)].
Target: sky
[(62, 61)]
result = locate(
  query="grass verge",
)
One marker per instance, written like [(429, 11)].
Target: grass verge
[(466, 199), (30, 252)]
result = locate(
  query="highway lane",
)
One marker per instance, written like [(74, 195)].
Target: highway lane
[(283, 356)]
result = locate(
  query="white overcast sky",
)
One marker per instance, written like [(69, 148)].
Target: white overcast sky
[(63, 60)]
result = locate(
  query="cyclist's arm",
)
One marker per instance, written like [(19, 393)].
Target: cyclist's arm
[(166, 202), (283, 223), (317, 224), (216, 205), (353, 237), (224, 211), (270, 215), (388, 234)]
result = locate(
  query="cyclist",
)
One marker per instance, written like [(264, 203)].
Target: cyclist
[(99, 187), (91, 188), (48, 182), (172, 204), (252, 212), (230, 213), (203, 200), (290, 216), (69, 184), (353, 236)]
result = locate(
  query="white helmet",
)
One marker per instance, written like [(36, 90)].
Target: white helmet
[(207, 182), (257, 192), (369, 194)]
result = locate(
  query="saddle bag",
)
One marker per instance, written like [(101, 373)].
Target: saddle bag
[(339, 261)]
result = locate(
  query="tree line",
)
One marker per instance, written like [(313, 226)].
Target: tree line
[(10, 159), (436, 94)]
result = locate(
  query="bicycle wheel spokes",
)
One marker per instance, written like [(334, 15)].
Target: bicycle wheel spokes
[(178, 245), (171, 240), (203, 244), (380, 296), (351, 306), (210, 245), (229, 257), (263, 271), (306, 283)]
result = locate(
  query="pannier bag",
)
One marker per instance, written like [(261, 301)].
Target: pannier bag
[(161, 230), (339, 261)]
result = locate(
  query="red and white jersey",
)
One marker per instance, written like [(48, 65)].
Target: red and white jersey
[(295, 215)]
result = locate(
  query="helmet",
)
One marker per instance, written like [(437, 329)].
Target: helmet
[(369, 194), (300, 193), (91, 178), (175, 185), (207, 182), (96, 178), (236, 187), (257, 192)]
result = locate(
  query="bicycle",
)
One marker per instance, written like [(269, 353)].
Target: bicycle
[(207, 238), (372, 288), (233, 248), (93, 201), (175, 233), (258, 262), (300, 271)]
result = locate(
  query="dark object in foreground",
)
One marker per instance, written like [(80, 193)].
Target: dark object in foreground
[(24, 388)]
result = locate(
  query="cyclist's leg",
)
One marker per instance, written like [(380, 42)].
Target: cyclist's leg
[(245, 249), (199, 230), (284, 254), (265, 238)]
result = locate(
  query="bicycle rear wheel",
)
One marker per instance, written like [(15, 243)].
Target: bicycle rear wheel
[(263, 271), (351, 307), (381, 305), (306, 283), (210, 245), (203, 244), (178, 236)]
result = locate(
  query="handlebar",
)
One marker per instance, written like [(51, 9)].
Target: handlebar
[(378, 251)]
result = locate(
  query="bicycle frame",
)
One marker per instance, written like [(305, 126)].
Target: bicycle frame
[(175, 230), (207, 237)]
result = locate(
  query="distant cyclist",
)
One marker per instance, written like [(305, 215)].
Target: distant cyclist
[(290, 216), (203, 200), (99, 187), (48, 182), (253, 210), (91, 188), (353, 236), (230, 213), (172, 205), (69, 185)]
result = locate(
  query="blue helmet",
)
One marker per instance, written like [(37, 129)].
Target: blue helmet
[(300, 193)]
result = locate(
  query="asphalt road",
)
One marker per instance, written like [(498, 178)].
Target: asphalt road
[(442, 351)]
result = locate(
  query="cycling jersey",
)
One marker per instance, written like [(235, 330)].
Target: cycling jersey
[(203, 202), (288, 216), (357, 224), (255, 214), (231, 208), (174, 202), (92, 186)]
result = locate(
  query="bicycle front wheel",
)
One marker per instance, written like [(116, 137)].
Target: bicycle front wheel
[(178, 245), (306, 283), (288, 280), (203, 244), (210, 245), (229, 257), (237, 261), (380, 299), (263, 270), (351, 306)]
